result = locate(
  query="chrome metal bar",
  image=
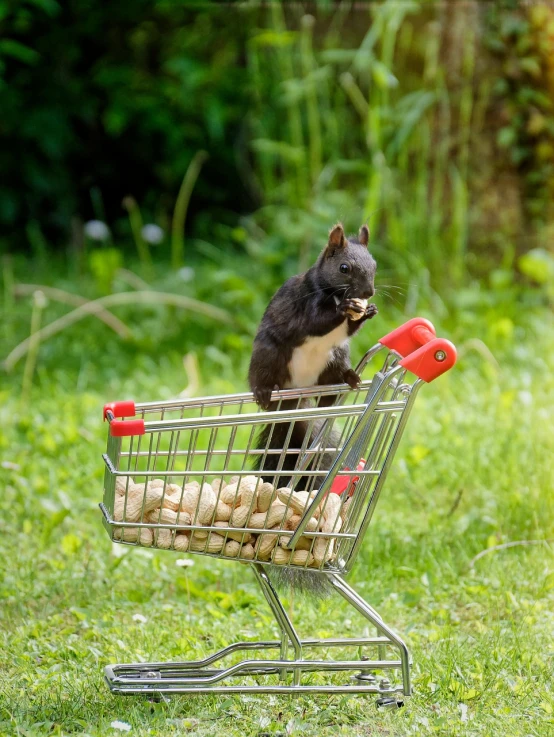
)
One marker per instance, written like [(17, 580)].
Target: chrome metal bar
[(286, 626), (353, 598), (378, 391), (384, 472), (244, 397), (248, 667)]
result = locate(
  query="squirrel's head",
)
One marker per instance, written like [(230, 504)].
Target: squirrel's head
[(346, 266)]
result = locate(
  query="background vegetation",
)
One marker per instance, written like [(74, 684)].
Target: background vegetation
[(243, 132)]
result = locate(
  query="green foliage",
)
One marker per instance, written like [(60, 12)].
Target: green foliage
[(521, 38), (363, 96), (119, 98)]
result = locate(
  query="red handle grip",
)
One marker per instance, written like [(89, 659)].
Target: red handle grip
[(409, 337), (422, 352), (120, 409)]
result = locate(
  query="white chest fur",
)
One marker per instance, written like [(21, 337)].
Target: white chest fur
[(309, 359)]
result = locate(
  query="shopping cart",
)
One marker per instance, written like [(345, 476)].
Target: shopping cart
[(179, 477)]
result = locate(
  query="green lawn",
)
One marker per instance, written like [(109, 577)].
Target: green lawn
[(474, 471)]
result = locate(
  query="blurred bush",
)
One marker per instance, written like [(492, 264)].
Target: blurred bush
[(433, 122), (116, 98)]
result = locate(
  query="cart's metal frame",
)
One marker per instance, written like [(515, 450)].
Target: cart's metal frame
[(391, 394)]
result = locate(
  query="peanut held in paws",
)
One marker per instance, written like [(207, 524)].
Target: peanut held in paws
[(357, 310)]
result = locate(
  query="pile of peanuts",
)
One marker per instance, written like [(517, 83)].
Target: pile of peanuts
[(245, 502)]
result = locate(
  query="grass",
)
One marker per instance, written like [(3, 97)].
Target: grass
[(473, 472)]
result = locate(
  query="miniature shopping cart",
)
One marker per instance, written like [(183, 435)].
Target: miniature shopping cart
[(179, 476)]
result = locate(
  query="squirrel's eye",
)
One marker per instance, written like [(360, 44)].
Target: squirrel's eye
[(344, 268)]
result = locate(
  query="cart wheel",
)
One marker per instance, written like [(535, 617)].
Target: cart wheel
[(387, 702), (157, 698)]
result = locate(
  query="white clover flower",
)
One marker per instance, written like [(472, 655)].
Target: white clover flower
[(139, 618), (184, 562), (123, 726), (186, 273), (152, 234), (96, 230)]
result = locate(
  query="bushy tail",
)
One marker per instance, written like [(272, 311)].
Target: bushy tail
[(313, 584), (273, 437)]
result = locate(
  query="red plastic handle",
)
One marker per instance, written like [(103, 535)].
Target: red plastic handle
[(120, 409), (422, 352), (342, 483), (409, 337), (125, 428)]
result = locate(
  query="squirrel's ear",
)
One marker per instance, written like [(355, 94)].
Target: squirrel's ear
[(336, 237), (363, 235)]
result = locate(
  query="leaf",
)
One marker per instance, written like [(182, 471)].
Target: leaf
[(506, 137), (278, 149), (538, 265), (104, 263), (382, 76), (9, 47), (71, 543), (277, 39)]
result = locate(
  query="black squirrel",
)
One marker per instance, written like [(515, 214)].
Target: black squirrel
[(303, 340), (303, 337)]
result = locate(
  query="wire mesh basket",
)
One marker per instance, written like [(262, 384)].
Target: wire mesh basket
[(198, 476)]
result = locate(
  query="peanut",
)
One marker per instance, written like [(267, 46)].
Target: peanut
[(240, 516), (134, 534), (223, 512), (247, 552), (171, 502), (304, 543), (199, 535), (331, 514), (218, 484), (288, 557), (199, 503), (163, 538), (213, 544), (324, 547), (241, 537), (165, 516), (264, 546), (296, 500), (247, 490), (232, 549), (274, 516), (138, 500), (355, 314), (294, 521), (230, 495), (240, 493), (121, 484), (345, 507), (181, 542), (266, 495), (323, 550)]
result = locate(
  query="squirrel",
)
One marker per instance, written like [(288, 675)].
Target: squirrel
[(303, 340)]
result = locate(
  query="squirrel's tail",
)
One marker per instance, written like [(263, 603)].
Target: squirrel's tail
[(273, 437), (315, 585)]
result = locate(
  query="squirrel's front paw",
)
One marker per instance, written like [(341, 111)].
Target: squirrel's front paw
[(351, 378), (371, 311), (262, 395), (354, 309)]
